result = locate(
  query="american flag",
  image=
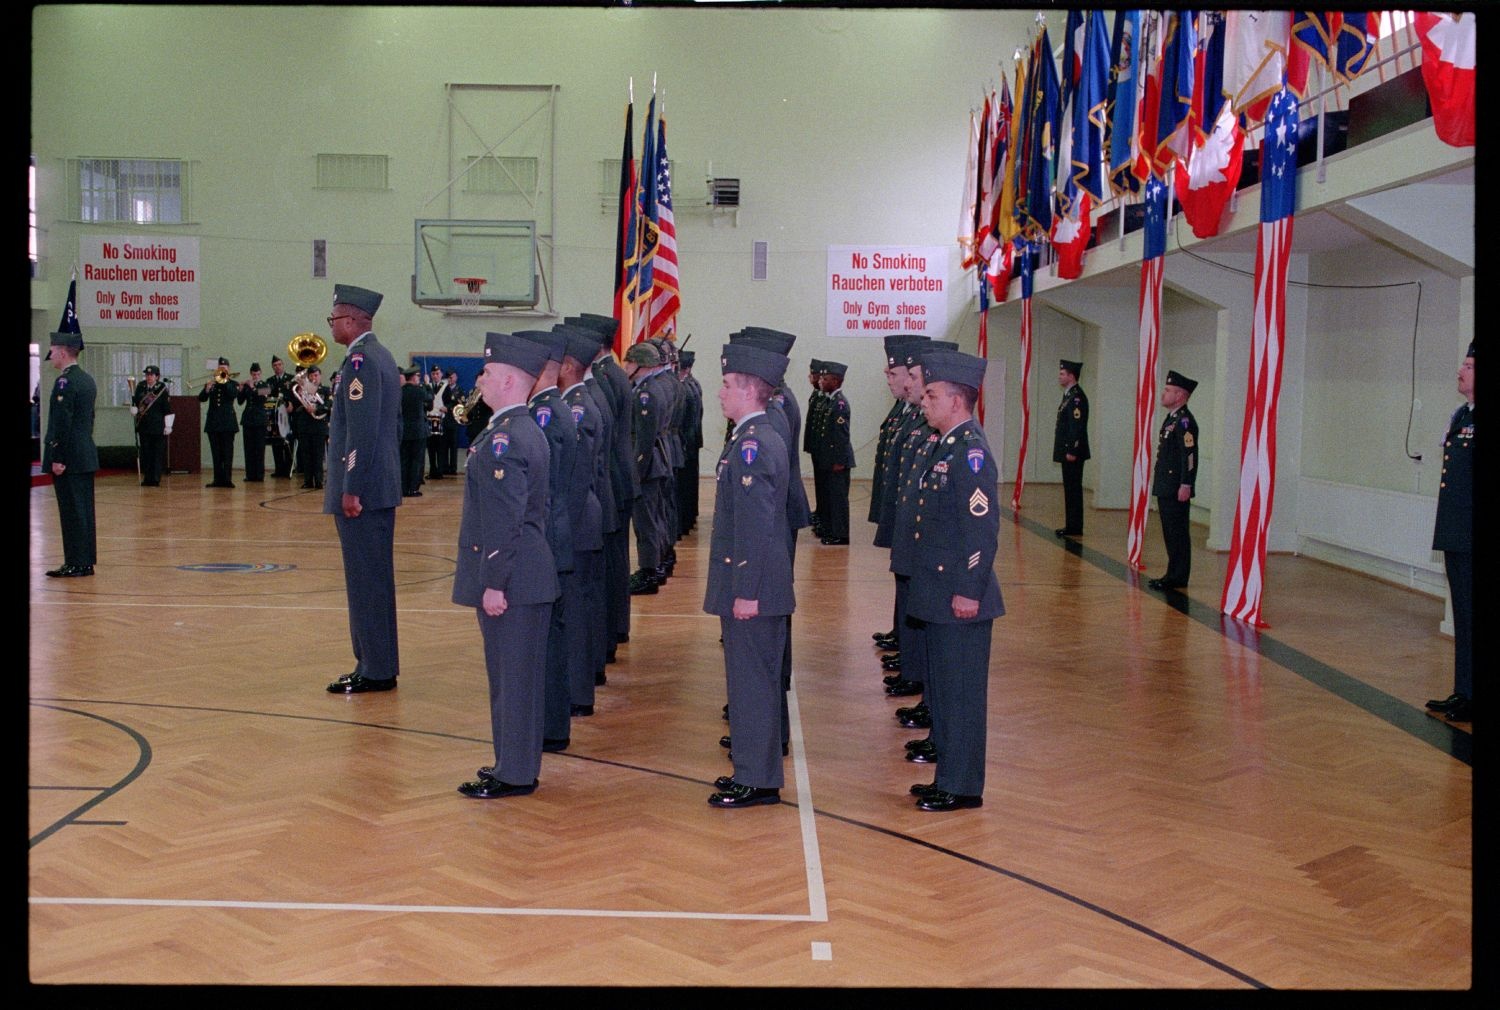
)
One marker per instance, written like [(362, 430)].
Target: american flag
[(1152, 260), (664, 283), (1245, 579), (1023, 253)]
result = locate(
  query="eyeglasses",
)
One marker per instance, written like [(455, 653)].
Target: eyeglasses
[(331, 319)]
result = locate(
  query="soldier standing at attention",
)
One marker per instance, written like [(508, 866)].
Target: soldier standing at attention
[(1454, 536), (1172, 482), (414, 404), (1070, 445), (837, 452), (364, 488), (954, 592), (69, 454), (152, 406), (505, 569), (750, 574), (253, 393), (220, 426)]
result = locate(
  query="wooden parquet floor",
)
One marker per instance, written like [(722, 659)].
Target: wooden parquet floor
[(1170, 804)]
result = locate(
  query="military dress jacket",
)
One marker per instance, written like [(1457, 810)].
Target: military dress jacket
[(364, 440), (814, 409), (152, 420), (502, 543), (254, 398), (749, 556), (615, 387), (835, 447), (604, 451), (910, 464), (415, 401), (799, 514), (220, 397), (650, 410), (893, 419), (1176, 454), (70, 422), (904, 441), (584, 509), (957, 529), (692, 421), (1454, 530), (555, 420), (1072, 434)]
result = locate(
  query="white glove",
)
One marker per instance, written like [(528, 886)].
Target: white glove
[(134, 410), (167, 429)]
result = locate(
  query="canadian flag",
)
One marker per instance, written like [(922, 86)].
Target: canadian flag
[(1070, 236), (1448, 45), (1205, 184), (998, 270)]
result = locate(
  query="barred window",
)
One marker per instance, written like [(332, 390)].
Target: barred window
[(129, 190), (126, 362)]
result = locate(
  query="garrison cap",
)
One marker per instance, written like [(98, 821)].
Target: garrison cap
[(686, 358), (151, 370), (778, 340), (815, 366), (72, 341), (644, 353), (581, 343), (835, 368), (517, 351), (255, 366), (751, 359), (1076, 367), (916, 353), (365, 300), (954, 366), (555, 343), (276, 361), (605, 326), (412, 372), (1181, 381), (895, 348), (1471, 350)]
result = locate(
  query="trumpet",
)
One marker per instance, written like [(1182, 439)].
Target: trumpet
[(220, 375)]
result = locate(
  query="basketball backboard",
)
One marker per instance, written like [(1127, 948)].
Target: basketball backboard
[(503, 253)]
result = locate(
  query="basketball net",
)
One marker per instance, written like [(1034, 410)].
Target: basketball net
[(468, 291)]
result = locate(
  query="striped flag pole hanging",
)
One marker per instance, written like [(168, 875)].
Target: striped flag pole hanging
[(1152, 261), (983, 349), (1023, 254), (666, 299), (1245, 578)]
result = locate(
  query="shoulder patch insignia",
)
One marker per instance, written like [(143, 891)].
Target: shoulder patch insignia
[(747, 480), (843, 420), (500, 443), (749, 449), (1187, 439), (974, 560), (543, 416), (976, 460), (1077, 413), (645, 396), (356, 389), (979, 503), (62, 383), (577, 409), (357, 359)]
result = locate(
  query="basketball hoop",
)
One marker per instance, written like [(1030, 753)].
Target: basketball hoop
[(468, 291)]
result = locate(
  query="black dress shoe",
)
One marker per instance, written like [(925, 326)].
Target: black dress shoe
[(919, 709), (78, 571), (736, 795), (726, 713), (893, 678), (581, 710), (883, 634), (1164, 584), (905, 688), (600, 679), (1461, 712), (923, 744), (941, 801), (723, 782), (66, 570), (1065, 532), (487, 787), (888, 643), (1432, 706), (917, 718), (306, 485), (622, 637), (836, 541), (891, 662), (358, 683), (643, 583), (725, 742), (922, 790), (253, 480), (922, 757), (552, 745)]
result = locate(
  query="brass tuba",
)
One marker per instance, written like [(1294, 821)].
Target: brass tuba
[(307, 349), (465, 408)]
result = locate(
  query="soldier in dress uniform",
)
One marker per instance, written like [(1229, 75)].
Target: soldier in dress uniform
[(364, 488), (692, 444), (69, 454), (442, 398), (642, 362), (813, 422), (219, 424), (281, 446), (836, 449), (590, 498), (151, 403), (316, 400), (414, 404), (954, 592), (556, 422), (1174, 478), (895, 381), (253, 393), (750, 574), (505, 568), (1070, 444), (1454, 536)]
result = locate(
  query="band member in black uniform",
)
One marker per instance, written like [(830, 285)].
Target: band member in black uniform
[(316, 400), (219, 393), (1070, 445), (954, 592), (443, 398), (836, 450), (505, 568), (813, 424), (69, 454), (151, 404), (477, 417), (281, 447), (414, 403), (1173, 480), (1454, 536), (253, 393), (750, 574)]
